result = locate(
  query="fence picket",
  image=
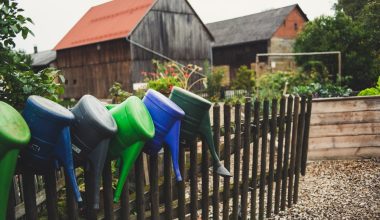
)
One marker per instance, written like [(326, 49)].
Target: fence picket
[(300, 137), (273, 134), (168, 196), (235, 201), (286, 151), (193, 180), (124, 201), (107, 191), (140, 185), (255, 159), (293, 150), (227, 160), (263, 158), (51, 194), (215, 185), (246, 154), (154, 195), (205, 181), (181, 185), (305, 144), (278, 177)]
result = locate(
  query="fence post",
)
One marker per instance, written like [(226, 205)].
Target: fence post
[(91, 213), (235, 201), (286, 151), (227, 160), (215, 188), (300, 135), (273, 134), (124, 200), (255, 157), (263, 158), (279, 154), (246, 154)]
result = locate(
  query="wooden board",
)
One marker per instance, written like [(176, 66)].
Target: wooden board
[(344, 129), (344, 153), (346, 104), (372, 140), (348, 117)]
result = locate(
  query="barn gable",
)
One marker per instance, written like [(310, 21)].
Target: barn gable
[(173, 29)]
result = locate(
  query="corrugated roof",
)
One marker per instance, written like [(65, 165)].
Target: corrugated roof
[(43, 58), (111, 20), (255, 27)]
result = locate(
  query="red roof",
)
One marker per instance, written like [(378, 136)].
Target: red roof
[(108, 21)]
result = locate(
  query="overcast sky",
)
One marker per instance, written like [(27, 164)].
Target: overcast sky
[(54, 18)]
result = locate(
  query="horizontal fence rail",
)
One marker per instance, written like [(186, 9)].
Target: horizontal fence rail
[(263, 144)]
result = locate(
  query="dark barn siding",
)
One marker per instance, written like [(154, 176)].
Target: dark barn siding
[(172, 29), (237, 55), (92, 69)]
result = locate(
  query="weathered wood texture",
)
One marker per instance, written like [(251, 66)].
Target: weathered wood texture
[(345, 128), (173, 29), (94, 68)]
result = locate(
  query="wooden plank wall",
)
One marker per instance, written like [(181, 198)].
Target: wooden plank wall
[(173, 29), (345, 128), (94, 68)]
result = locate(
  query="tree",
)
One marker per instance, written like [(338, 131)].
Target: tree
[(351, 8), (340, 33), (17, 79)]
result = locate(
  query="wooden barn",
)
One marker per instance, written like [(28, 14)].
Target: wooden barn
[(238, 40), (114, 42)]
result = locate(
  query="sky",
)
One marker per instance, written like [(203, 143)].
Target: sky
[(54, 18)]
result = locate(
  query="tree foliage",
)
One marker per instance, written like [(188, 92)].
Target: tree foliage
[(341, 33), (245, 79), (351, 8), (17, 79)]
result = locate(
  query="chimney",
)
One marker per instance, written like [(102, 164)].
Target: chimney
[(35, 49)]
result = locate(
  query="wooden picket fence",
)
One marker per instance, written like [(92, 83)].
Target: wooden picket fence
[(264, 145)]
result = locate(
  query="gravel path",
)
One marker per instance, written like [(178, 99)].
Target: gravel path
[(338, 190)]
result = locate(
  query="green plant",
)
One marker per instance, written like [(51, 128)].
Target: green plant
[(117, 93), (371, 91), (326, 90), (169, 74), (16, 87), (213, 82), (245, 79)]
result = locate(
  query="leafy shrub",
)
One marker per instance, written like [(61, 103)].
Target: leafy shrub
[(371, 91), (318, 90), (117, 93), (213, 82), (16, 87), (245, 79)]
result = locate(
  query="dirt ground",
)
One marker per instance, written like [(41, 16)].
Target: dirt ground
[(338, 190)]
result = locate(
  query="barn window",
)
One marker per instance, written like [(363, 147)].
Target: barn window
[(296, 26), (66, 81), (284, 23), (74, 81)]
